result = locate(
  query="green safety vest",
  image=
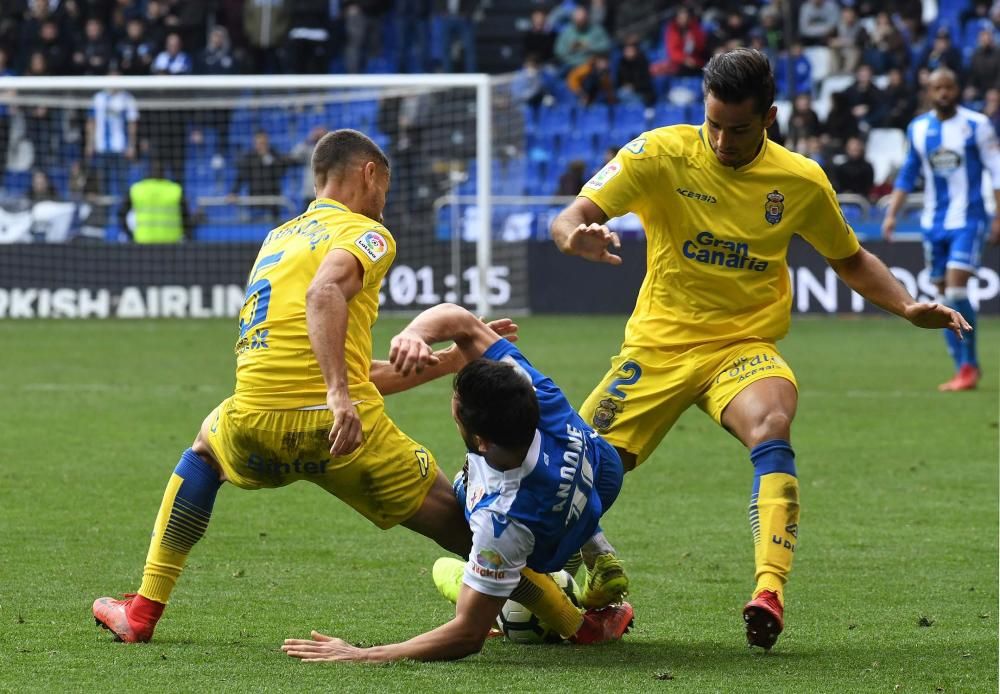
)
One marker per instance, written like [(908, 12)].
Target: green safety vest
[(157, 206)]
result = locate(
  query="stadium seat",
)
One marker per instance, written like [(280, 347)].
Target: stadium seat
[(232, 233), (628, 118), (556, 119), (831, 85), (576, 148), (696, 112), (820, 60), (363, 113), (668, 114), (684, 90), (784, 112), (530, 117), (886, 151), (593, 122), (17, 182)]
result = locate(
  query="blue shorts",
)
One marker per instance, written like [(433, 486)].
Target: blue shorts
[(953, 248), (610, 475)]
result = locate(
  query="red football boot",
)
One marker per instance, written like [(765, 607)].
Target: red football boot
[(604, 624), (763, 616), (967, 378), (131, 620)]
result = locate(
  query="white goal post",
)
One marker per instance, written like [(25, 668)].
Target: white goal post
[(54, 129)]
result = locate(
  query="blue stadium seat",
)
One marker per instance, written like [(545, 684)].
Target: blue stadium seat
[(556, 119), (668, 114), (363, 114), (594, 120), (562, 93), (577, 145), (661, 85), (696, 112), (231, 233), (17, 182), (629, 116), (379, 65), (530, 117)]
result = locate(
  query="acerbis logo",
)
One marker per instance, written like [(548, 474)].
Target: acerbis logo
[(703, 197)]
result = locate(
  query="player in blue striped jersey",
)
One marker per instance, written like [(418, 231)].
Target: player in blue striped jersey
[(538, 479), (949, 147)]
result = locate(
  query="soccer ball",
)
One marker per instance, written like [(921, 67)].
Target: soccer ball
[(521, 626)]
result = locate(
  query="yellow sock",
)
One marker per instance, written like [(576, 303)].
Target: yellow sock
[(776, 533), (774, 515), (181, 521), (540, 594)]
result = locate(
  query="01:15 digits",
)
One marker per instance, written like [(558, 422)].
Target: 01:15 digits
[(406, 286)]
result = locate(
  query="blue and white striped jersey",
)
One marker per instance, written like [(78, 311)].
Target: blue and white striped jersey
[(540, 513), (951, 156), (112, 111)]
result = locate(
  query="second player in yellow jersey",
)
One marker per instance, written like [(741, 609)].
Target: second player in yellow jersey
[(719, 204), (717, 236)]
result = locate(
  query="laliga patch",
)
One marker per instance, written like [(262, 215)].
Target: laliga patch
[(373, 244), (636, 146), (609, 171)]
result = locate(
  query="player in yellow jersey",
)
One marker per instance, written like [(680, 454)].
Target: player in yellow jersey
[(719, 204), (308, 400)]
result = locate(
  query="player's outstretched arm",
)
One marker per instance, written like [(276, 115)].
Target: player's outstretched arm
[(462, 636), (581, 229), (869, 277), (337, 280), (442, 362), (410, 350)]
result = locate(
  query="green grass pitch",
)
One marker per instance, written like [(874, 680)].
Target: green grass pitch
[(894, 587)]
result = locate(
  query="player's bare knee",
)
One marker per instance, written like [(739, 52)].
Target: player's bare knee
[(773, 425)]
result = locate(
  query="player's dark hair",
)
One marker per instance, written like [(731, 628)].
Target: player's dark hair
[(740, 74), (496, 402), (341, 147)]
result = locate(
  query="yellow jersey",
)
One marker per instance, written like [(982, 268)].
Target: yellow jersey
[(717, 237), (275, 365)]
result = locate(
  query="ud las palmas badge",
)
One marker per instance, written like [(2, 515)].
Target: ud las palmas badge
[(774, 207)]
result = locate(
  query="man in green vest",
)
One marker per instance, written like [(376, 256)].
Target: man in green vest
[(159, 209)]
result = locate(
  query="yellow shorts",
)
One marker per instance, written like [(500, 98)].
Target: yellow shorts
[(647, 389), (386, 479)]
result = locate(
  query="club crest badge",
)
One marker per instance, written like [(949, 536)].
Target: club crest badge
[(774, 207), (606, 412)]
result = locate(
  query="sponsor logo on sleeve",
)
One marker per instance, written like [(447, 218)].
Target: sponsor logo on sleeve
[(373, 244), (423, 461), (610, 170), (636, 146)]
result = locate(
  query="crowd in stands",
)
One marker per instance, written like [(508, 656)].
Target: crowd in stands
[(845, 70)]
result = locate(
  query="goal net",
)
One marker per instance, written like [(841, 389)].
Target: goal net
[(239, 148)]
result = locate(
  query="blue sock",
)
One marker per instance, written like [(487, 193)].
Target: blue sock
[(950, 339), (958, 298), (195, 499), (182, 520)]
